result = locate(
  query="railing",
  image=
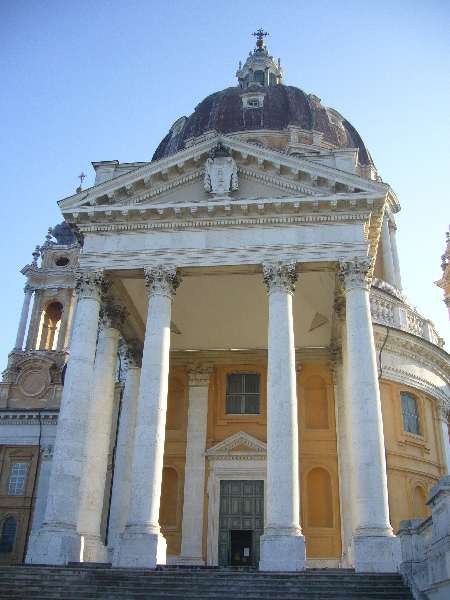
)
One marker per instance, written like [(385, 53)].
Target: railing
[(389, 309)]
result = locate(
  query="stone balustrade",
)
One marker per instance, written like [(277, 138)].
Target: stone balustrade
[(388, 308), (426, 547)]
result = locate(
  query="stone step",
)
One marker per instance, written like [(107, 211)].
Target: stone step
[(101, 582)]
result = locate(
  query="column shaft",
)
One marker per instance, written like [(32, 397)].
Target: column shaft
[(443, 415), (393, 236), (142, 544), (388, 261), (98, 441), (194, 473), (282, 545), (23, 318), (121, 491), (374, 546), (58, 542)]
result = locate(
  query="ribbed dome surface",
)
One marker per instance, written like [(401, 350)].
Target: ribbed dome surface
[(283, 105)]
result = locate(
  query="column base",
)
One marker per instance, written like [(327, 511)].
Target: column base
[(282, 553), (93, 549), (136, 549), (54, 546), (191, 561), (376, 554)]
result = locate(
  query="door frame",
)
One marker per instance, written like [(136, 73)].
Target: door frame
[(226, 464)]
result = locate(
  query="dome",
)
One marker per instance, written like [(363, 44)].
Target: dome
[(227, 111)]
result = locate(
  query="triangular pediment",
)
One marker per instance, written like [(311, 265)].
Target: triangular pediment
[(177, 182), (238, 445)]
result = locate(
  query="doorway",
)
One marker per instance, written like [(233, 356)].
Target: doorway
[(241, 522)]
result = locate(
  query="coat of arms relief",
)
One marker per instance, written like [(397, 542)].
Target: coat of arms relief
[(221, 176)]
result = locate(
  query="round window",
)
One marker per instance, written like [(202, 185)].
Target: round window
[(61, 261)]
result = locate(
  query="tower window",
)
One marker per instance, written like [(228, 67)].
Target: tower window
[(253, 103), (259, 77), (8, 535), (243, 392), (17, 479), (410, 413)]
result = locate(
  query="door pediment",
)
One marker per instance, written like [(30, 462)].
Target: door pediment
[(239, 446)]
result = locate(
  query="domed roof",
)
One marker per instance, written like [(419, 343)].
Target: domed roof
[(282, 105)]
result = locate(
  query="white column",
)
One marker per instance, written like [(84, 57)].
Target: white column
[(121, 490), (343, 445), (57, 542), (99, 433), (23, 317), (194, 473), (393, 236), (388, 261), (443, 411), (374, 547), (282, 545), (43, 475), (142, 544)]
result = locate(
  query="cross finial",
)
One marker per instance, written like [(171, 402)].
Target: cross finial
[(260, 34), (81, 177)]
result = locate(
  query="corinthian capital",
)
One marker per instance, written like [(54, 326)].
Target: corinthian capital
[(90, 284), (280, 277), (112, 314), (161, 280), (355, 273), (443, 410)]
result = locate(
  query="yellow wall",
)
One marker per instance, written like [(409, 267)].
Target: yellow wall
[(414, 462)]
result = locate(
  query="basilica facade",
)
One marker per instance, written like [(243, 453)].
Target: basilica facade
[(215, 363)]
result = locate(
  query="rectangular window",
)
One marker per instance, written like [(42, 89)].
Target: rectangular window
[(410, 413), (242, 394), (17, 478)]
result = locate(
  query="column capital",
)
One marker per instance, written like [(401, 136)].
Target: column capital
[(90, 284), (443, 410), (199, 374), (112, 314), (280, 277), (28, 289), (133, 354), (354, 273), (161, 280)]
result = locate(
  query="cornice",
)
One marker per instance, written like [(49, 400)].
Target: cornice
[(421, 351), (195, 222)]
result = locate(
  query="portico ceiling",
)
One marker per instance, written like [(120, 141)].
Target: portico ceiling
[(230, 310)]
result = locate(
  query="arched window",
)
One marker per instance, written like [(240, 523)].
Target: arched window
[(8, 535), (49, 326), (169, 498), (320, 498), (410, 413), (420, 509)]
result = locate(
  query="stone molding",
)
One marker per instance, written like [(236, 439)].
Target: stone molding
[(280, 277), (90, 284), (161, 280), (354, 274)]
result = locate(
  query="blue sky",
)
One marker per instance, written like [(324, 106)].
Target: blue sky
[(100, 80)]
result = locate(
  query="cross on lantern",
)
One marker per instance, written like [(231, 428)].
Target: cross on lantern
[(260, 34)]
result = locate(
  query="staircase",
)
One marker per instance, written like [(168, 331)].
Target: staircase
[(184, 583)]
